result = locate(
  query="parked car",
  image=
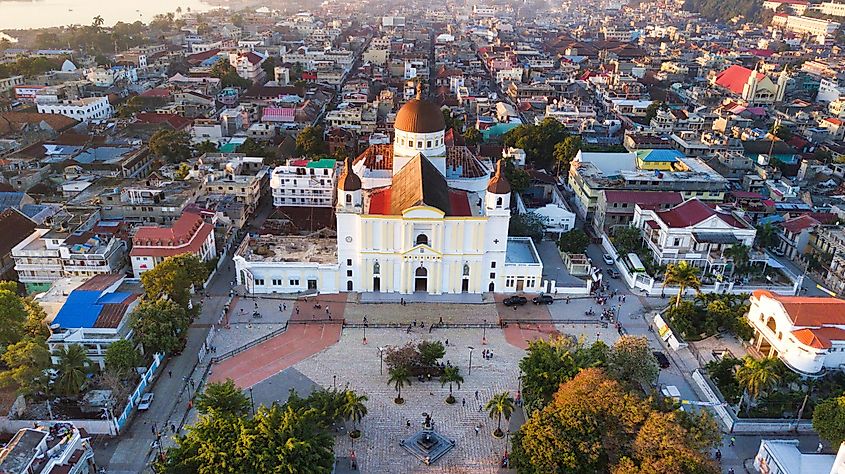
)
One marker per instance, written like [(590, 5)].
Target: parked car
[(607, 259), (146, 401), (612, 273), (662, 360), (515, 301), (543, 299)]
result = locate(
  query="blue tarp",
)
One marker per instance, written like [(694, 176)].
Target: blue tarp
[(83, 307)]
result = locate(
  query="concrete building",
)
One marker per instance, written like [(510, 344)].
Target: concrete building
[(615, 209), (782, 456), (188, 234), (88, 108), (303, 183), (54, 447), (806, 333)]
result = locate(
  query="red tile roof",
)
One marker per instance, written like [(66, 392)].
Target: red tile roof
[(797, 224), (819, 338), (157, 92), (186, 235), (735, 77), (694, 211), (810, 311)]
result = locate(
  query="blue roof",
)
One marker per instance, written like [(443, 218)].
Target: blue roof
[(10, 199), (659, 155), (83, 307)]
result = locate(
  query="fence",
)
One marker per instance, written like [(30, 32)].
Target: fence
[(248, 345), (146, 379)]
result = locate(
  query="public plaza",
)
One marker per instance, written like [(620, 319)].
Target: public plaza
[(311, 354)]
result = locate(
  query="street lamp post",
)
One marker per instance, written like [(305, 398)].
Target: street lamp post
[(469, 371), (484, 334), (334, 382), (381, 360), (252, 401)]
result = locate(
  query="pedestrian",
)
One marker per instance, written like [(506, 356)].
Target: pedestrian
[(819, 448), (718, 455), (327, 309), (169, 374), (408, 423), (297, 310), (447, 343), (731, 471), (365, 320), (430, 328), (479, 408), (280, 308), (477, 430), (415, 323), (463, 402), (173, 428), (441, 319), (422, 325), (476, 394), (733, 442), (408, 331), (567, 300), (154, 429), (401, 301)]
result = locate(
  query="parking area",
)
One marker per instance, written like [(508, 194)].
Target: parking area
[(554, 268)]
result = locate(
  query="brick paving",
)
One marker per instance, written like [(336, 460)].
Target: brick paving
[(378, 451)]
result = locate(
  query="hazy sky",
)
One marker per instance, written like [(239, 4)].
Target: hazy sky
[(22, 14)]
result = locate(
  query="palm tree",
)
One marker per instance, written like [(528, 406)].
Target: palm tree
[(741, 258), (353, 408), (684, 275), (766, 236), (451, 374), (399, 377), (758, 376), (97, 22), (73, 369), (500, 405)]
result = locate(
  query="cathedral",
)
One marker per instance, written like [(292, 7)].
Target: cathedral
[(419, 215)]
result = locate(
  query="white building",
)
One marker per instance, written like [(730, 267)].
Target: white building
[(806, 25), (693, 232), (48, 448), (95, 315), (87, 108), (47, 255), (188, 234), (806, 333), (832, 8), (248, 65), (782, 456), (416, 216), (303, 183)]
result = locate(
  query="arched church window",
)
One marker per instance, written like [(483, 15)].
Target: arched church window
[(428, 144), (348, 199), (466, 270), (499, 202), (419, 144), (422, 239), (376, 269)]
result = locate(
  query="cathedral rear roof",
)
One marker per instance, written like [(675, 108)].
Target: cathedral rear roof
[(419, 183)]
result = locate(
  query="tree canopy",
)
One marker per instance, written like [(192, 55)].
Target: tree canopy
[(574, 241), (223, 398), (228, 75), (160, 324), (121, 357), (172, 145), (630, 360), (529, 224), (310, 142), (173, 278), (538, 141), (829, 420)]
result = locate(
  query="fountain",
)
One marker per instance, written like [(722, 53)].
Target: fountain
[(427, 445)]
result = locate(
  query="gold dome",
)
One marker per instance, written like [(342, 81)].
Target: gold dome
[(420, 116)]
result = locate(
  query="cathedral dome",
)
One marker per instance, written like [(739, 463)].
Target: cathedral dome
[(420, 116)]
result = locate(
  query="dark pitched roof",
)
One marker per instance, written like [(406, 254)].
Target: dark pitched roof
[(16, 227), (499, 183), (418, 183)]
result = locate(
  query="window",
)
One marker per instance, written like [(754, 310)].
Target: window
[(349, 273), (492, 275), (466, 270), (498, 202), (376, 269), (348, 199), (677, 242), (428, 144), (259, 282), (348, 262), (294, 282), (492, 264), (422, 239), (419, 144)]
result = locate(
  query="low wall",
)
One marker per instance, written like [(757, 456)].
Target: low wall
[(720, 409), (100, 427)]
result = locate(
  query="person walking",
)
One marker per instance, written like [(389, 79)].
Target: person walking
[(477, 430), (732, 442), (463, 402), (169, 374), (476, 394)]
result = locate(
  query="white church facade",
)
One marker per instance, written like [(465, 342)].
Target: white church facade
[(420, 216)]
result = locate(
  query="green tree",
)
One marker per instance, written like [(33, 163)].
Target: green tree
[(500, 405), (627, 239), (451, 122), (431, 352), (223, 398), (529, 224), (758, 376), (215, 444), (451, 375), (684, 276), (269, 67), (741, 258), (288, 441), (26, 361), (13, 314), (182, 171), (519, 179), (251, 147), (829, 420), (121, 357), (473, 137), (354, 409), (651, 110), (722, 372), (538, 141), (159, 325), (174, 277), (399, 377), (630, 360), (172, 145), (767, 236), (549, 363), (574, 241), (310, 142), (73, 368), (35, 325), (228, 75), (565, 152), (204, 147)]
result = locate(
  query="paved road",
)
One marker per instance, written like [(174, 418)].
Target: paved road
[(128, 454)]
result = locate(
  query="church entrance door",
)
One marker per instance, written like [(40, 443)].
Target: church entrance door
[(520, 284), (465, 286), (421, 280)]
